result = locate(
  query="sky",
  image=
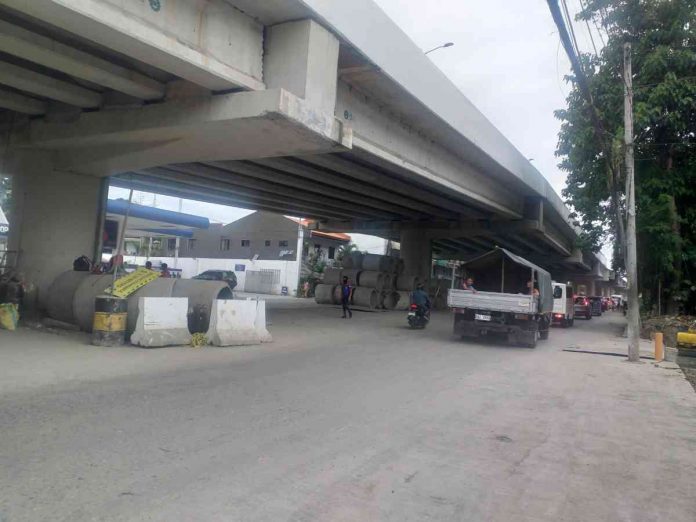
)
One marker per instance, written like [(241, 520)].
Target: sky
[(506, 59)]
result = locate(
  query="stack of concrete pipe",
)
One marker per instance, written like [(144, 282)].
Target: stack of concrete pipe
[(378, 280), (71, 298)]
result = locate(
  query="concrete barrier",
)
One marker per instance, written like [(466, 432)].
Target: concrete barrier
[(162, 321), (233, 323), (260, 322)]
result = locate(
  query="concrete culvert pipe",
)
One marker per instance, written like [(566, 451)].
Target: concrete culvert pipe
[(377, 263), (354, 275), (324, 294), (403, 300), (366, 297), (406, 283), (357, 260), (347, 261), (332, 276), (390, 299), (61, 293), (371, 279), (201, 295)]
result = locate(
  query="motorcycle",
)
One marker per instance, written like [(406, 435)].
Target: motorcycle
[(418, 317)]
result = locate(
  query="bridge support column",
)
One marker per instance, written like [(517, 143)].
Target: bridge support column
[(54, 220), (416, 253)]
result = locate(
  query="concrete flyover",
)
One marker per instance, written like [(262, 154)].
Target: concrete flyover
[(318, 108)]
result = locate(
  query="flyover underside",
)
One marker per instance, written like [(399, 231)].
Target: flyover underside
[(352, 191)]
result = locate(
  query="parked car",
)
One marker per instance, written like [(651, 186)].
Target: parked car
[(596, 305), (607, 304), (582, 307), (219, 275)]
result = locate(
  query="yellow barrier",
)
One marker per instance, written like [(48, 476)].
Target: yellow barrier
[(132, 282), (686, 339)]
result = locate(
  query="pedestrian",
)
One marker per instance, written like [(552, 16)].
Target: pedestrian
[(164, 270), (468, 284), (346, 294), (305, 289), (148, 265)]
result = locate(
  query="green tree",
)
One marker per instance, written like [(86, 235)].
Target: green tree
[(664, 65)]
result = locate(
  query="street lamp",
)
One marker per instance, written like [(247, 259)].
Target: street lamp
[(447, 44)]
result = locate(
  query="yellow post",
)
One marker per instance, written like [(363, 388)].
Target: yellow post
[(659, 347)]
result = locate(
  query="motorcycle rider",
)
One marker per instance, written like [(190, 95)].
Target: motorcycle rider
[(420, 298)]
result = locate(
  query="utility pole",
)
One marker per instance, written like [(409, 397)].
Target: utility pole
[(631, 250)]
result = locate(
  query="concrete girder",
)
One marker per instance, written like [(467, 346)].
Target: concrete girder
[(146, 183), (318, 190), (242, 125), (52, 54), (193, 178), (18, 102), (207, 42), (388, 201), (48, 87), (237, 179), (428, 202)]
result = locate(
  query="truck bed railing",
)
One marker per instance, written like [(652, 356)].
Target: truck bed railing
[(493, 301)]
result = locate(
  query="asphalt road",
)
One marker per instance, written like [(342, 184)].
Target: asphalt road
[(350, 420)]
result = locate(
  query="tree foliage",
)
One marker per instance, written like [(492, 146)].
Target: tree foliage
[(663, 41)]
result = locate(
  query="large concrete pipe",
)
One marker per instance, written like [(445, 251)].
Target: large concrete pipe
[(59, 301), (332, 276), (356, 260), (347, 262), (372, 279), (161, 287), (377, 263), (403, 300), (390, 299), (366, 297), (354, 276), (324, 294), (201, 295), (85, 295), (406, 283)]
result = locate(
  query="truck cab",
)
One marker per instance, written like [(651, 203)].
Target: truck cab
[(512, 297), (563, 306)]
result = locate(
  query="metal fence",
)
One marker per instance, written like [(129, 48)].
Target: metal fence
[(261, 281)]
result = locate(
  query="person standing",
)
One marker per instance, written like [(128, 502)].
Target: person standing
[(346, 294), (164, 270)]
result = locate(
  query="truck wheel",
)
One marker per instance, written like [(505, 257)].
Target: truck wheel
[(543, 335), (527, 339)]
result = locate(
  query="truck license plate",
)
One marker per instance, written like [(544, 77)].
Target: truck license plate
[(481, 317)]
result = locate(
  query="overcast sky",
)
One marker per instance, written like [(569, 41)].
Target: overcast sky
[(506, 60)]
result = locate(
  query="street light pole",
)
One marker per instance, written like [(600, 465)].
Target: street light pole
[(442, 46)]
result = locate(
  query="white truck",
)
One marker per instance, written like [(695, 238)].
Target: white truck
[(512, 297), (563, 305)]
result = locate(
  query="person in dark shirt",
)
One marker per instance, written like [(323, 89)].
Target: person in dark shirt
[(164, 270), (420, 297), (346, 294)]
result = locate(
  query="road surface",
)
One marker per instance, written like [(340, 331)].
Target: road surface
[(342, 420)]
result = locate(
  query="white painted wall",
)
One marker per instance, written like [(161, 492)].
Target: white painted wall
[(289, 270)]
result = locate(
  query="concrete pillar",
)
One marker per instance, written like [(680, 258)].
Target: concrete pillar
[(416, 253), (302, 57), (54, 220)]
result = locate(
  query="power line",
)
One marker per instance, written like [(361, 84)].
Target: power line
[(589, 31), (570, 26)]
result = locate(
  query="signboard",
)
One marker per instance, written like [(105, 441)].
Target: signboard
[(4, 230), (132, 282), (239, 268)]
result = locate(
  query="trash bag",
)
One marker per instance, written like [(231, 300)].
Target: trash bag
[(9, 316)]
